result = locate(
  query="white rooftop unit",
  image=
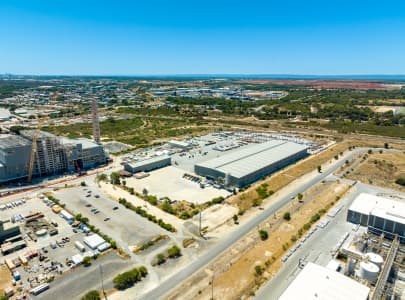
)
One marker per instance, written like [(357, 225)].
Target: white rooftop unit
[(319, 283), (77, 259), (93, 241)]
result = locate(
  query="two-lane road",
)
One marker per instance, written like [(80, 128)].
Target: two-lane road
[(169, 284)]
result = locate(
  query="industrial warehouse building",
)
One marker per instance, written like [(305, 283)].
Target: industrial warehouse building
[(54, 155), (248, 165), (148, 164), (317, 282), (380, 215)]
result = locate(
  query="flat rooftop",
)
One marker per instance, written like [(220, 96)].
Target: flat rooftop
[(142, 162), (10, 141), (319, 283), (379, 206), (245, 161)]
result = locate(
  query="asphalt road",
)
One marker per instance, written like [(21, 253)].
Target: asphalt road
[(166, 286), (72, 286)]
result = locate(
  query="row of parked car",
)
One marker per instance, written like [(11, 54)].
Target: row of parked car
[(12, 204)]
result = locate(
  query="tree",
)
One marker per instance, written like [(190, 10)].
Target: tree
[(173, 251), (82, 183), (319, 169), (287, 216), (101, 177), (263, 234), (386, 145), (86, 260), (258, 270), (235, 219), (124, 183), (145, 193), (115, 178), (300, 196), (92, 295), (160, 258)]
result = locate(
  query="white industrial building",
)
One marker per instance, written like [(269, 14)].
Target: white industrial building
[(4, 115), (93, 241), (379, 214), (315, 282), (180, 144), (148, 164), (247, 165)]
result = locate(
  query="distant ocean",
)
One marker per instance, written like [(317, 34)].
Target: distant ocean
[(217, 76)]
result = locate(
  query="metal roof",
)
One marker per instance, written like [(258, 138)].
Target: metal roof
[(8, 141), (315, 282), (143, 162), (251, 159), (379, 206), (4, 113)]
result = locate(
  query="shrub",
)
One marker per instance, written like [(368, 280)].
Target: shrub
[(287, 216), (160, 258), (258, 270), (217, 200), (128, 279), (173, 251), (263, 234), (400, 181), (92, 295)]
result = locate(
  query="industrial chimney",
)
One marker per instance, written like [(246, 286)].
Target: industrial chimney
[(96, 125)]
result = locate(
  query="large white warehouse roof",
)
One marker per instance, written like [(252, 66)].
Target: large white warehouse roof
[(246, 161), (319, 283)]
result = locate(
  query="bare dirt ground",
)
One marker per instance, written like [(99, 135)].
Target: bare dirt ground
[(5, 278), (380, 169), (234, 270)]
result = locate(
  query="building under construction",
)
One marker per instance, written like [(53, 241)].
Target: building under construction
[(53, 155)]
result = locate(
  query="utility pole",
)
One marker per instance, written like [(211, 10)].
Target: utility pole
[(200, 223), (212, 287), (102, 282)]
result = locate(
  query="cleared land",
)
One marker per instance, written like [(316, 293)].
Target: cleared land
[(5, 278), (380, 169), (235, 272)]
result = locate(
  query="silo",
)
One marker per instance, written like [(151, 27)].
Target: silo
[(375, 258), (369, 271), (351, 263)]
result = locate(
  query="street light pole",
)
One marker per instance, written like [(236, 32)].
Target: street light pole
[(102, 282)]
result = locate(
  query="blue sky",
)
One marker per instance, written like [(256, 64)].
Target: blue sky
[(202, 37)]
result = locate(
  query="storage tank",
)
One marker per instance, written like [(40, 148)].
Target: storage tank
[(369, 271), (375, 258), (351, 263)]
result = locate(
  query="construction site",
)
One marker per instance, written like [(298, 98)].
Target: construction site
[(36, 153)]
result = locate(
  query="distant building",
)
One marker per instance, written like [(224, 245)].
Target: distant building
[(248, 165), (148, 164), (379, 214), (180, 144), (4, 115), (54, 155), (8, 230)]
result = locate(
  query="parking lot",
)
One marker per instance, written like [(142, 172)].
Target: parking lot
[(169, 182), (123, 225)]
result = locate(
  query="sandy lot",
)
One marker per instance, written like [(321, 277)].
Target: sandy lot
[(168, 182), (381, 169), (235, 270)]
